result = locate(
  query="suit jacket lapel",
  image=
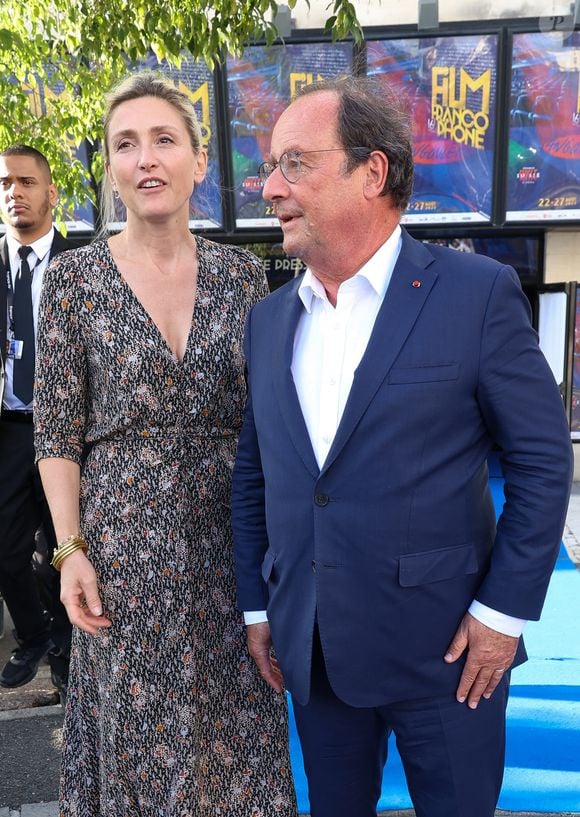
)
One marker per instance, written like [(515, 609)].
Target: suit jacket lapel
[(286, 319), (408, 290), (59, 244), (4, 265), (4, 251)]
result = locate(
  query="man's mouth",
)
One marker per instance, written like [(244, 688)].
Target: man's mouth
[(284, 218)]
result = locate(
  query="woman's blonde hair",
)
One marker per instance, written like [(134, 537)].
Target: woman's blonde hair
[(136, 86)]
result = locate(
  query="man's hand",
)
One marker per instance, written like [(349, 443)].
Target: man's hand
[(489, 655), (260, 647)]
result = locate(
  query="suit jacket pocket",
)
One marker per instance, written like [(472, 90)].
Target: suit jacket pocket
[(424, 374), (437, 565), (268, 564)]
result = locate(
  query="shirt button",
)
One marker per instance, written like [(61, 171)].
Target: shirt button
[(321, 500)]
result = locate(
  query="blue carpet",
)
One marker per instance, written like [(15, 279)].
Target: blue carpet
[(543, 731)]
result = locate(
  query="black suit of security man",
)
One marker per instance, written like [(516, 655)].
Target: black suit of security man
[(29, 585)]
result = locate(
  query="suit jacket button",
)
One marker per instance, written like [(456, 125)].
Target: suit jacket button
[(321, 500)]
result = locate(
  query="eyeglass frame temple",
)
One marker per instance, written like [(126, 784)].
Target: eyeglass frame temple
[(299, 153)]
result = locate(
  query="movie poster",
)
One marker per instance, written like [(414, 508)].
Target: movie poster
[(81, 219), (261, 83), (196, 80), (450, 86), (543, 179)]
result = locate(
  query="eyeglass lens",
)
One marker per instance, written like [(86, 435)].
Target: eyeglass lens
[(289, 164)]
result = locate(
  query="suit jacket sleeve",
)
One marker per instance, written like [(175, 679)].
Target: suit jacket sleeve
[(248, 505), (523, 409)]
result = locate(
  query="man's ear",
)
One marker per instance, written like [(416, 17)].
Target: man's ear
[(52, 195), (377, 168)]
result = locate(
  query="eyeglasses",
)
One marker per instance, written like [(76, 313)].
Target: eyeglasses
[(290, 163)]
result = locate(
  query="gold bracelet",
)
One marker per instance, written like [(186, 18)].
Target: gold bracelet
[(66, 547)]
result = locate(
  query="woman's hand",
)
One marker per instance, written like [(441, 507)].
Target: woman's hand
[(79, 594)]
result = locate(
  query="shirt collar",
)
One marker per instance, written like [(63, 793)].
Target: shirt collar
[(378, 271), (40, 247)]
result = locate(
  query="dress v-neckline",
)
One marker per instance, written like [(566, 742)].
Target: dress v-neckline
[(123, 281)]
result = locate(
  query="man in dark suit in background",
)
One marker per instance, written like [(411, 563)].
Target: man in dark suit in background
[(378, 384), (27, 198)]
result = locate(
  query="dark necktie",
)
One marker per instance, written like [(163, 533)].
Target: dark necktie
[(23, 380)]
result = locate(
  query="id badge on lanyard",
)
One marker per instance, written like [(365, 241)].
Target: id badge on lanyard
[(14, 347)]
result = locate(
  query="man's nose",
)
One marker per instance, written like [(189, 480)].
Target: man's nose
[(275, 186)]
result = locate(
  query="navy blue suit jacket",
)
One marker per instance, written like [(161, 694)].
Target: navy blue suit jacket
[(387, 545)]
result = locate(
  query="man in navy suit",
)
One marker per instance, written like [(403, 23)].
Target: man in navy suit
[(378, 384), (27, 198)]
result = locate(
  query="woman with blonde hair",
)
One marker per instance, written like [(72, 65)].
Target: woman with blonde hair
[(140, 364)]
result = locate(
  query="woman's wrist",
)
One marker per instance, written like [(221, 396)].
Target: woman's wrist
[(68, 546)]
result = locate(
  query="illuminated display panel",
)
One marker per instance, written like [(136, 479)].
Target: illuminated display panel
[(450, 84), (543, 179), (196, 80), (520, 252), (261, 83), (81, 219)]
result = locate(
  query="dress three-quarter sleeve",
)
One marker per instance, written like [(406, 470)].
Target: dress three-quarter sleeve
[(60, 395)]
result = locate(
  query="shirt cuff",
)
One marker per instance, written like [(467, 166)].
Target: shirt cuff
[(255, 617), (508, 625)]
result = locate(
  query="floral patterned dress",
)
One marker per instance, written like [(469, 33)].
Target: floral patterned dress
[(166, 715)]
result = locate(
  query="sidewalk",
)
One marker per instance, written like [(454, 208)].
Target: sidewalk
[(30, 741), (31, 727)]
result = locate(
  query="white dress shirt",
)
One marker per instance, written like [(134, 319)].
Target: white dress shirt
[(330, 341), (38, 261), (328, 346)]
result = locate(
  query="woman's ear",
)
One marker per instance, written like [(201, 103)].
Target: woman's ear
[(109, 176), (200, 166)]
